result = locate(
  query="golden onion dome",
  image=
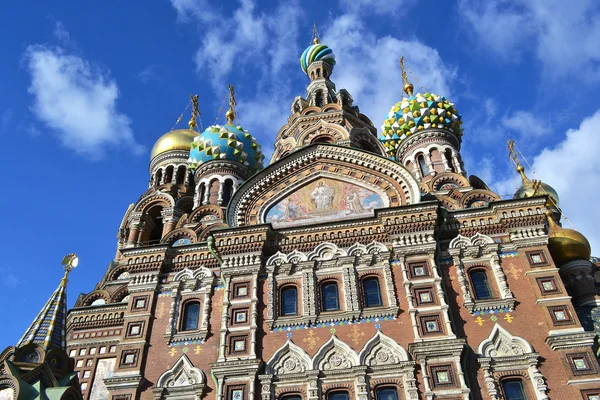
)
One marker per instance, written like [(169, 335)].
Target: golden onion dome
[(534, 188), (566, 245), (179, 139)]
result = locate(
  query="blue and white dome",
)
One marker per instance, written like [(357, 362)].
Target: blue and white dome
[(227, 142)]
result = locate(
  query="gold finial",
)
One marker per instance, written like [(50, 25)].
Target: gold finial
[(315, 34), (69, 262), (515, 159), (195, 112), (230, 115), (408, 87)]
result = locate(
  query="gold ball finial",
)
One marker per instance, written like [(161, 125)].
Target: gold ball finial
[(408, 87)]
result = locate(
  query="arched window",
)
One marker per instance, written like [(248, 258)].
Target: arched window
[(338, 395), (158, 177), (202, 192), (422, 165), (156, 226), (180, 177), (291, 397), (169, 174), (289, 301), (191, 315), (213, 191), (448, 155), (480, 283), (513, 389), (330, 297), (386, 393), (371, 292), (227, 191), (319, 98)]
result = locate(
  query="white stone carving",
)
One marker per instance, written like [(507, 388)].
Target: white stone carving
[(382, 350), (335, 354), (289, 359), (183, 373)]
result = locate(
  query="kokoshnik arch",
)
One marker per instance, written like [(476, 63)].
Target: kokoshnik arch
[(354, 266)]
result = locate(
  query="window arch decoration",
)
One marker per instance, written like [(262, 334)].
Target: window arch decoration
[(282, 269), (502, 351), (480, 250), (183, 380), (189, 285)]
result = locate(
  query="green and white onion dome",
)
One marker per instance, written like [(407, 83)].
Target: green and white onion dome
[(416, 113)]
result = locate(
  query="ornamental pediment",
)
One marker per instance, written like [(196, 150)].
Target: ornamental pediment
[(322, 183)]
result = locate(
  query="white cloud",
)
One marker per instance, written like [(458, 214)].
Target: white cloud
[(526, 124), (77, 100), (252, 42), (387, 7), (562, 35), (149, 73), (571, 167), (375, 80), (62, 35)]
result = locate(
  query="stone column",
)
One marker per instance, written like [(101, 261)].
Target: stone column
[(220, 194)]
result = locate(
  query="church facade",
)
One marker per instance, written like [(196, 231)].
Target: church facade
[(356, 265)]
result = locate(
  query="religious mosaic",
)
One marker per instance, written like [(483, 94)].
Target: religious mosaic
[(324, 200)]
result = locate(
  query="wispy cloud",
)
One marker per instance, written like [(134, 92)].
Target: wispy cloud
[(563, 36), (526, 124), (149, 73), (77, 100), (10, 279)]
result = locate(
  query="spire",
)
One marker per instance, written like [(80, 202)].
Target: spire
[(48, 328), (408, 87), (515, 159), (230, 115), (316, 39), (195, 112)]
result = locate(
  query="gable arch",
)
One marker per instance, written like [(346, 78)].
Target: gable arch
[(335, 354), (382, 350), (323, 129), (501, 343), (289, 359)]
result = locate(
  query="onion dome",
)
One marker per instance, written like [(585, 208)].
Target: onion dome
[(227, 142), (179, 139), (316, 52), (566, 245), (416, 113), (534, 188)]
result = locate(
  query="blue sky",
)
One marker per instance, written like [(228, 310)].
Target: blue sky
[(87, 87)]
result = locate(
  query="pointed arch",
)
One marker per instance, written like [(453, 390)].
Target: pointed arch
[(382, 350), (182, 374), (156, 198), (335, 354), (501, 343), (289, 359)]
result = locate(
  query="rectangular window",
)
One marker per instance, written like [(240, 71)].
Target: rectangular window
[(86, 374), (236, 393), (424, 296), (72, 353), (93, 350), (113, 349), (129, 358), (237, 344), (581, 364), (240, 290), (590, 394), (443, 376), (430, 324), (537, 258), (240, 316), (79, 363), (89, 362), (102, 350), (560, 315), (140, 303), (548, 285), (82, 352), (134, 329), (84, 386), (418, 270)]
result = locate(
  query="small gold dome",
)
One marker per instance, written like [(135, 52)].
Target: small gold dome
[(180, 139), (534, 188), (566, 245)]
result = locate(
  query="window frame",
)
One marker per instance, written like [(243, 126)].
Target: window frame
[(282, 301), (378, 389), (332, 393), (371, 278), (323, 285), (513, 379), (489, 288), (184, 309)]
